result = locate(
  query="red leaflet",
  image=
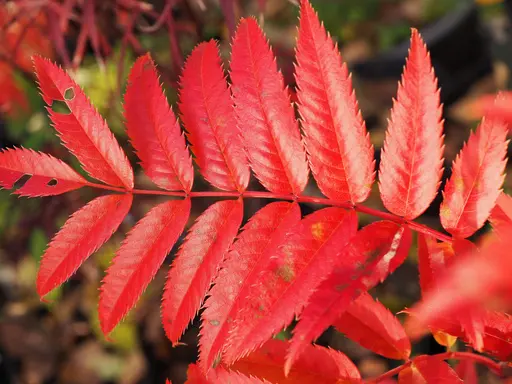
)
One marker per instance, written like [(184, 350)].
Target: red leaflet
[(209, 117), (220, 375), (338, 146), (477, 175), (428, 370), (253, 250), (412, 156), (49, 176), (84, 232), (197, 263), (264, 113), (307, 254), (372, 254), (318, 365), (137, 261), (83, 131), (372, 325), (501, 215), (154, 131)]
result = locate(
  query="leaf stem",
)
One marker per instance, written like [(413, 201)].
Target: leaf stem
[(301, 199), (489, 363)]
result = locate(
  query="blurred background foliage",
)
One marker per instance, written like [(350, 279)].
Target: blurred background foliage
[(59, 341)]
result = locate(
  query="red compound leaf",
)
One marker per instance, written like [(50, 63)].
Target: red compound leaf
[(412, 156), (338, 145), (139, 258), (83, 131), (253, 250), (372, 254), (154, 131), (264, 113), (307, 254), (209, 117), (49, 176), (82, 234), (197, 264)]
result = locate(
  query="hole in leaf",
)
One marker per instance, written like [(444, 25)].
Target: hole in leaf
[(69, 94), (21, 181), (60, 106), (52, 183)]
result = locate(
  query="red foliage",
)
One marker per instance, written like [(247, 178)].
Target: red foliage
[(281, 267)]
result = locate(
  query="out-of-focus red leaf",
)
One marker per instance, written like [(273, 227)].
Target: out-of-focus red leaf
[(412, 156), (307, 254), (375, 252), (264, 113), (197, 263), (428, 370), (434, 258), (209, 117), (468, 284), (501, 215), (370, 323), (477, 175), (154, 131), (84, 132), (494, 108), (12, 98), (49, 176), (139, 258), (253, 250), (82, 234), (338, 145), (317, 365)]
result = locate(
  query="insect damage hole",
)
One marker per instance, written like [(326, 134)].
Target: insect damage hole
[(52, 183), (21, 181)]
